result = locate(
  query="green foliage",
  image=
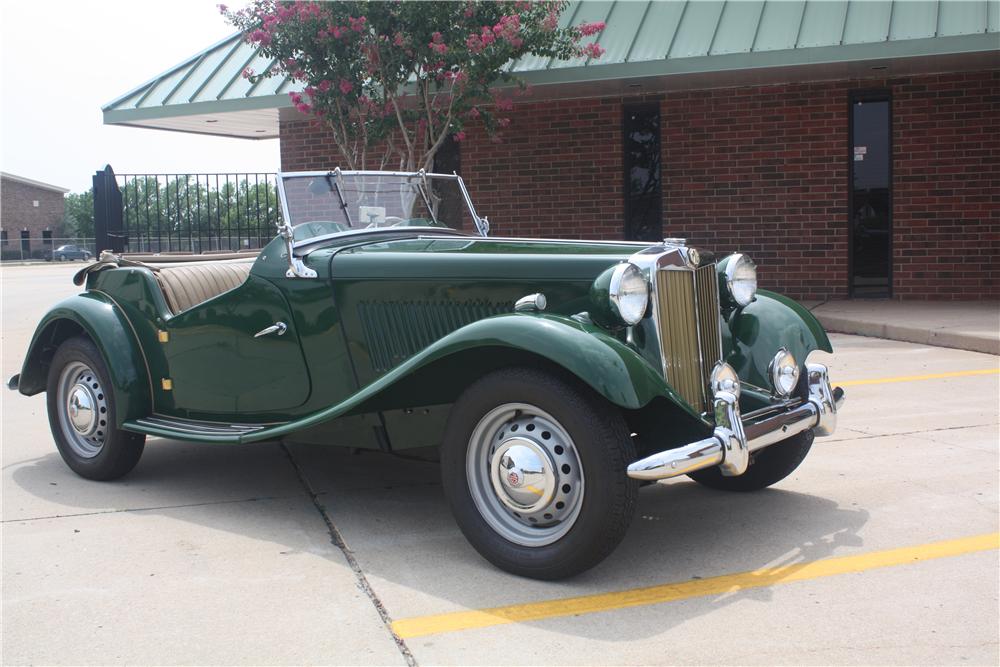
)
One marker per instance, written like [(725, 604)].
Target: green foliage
[(404, 75), (78, 219)]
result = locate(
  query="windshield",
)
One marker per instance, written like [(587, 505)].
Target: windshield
[(320, 204)]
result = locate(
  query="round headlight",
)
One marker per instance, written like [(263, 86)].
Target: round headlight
[(784, 372), (724, 378), (629, 293), (741, 278)]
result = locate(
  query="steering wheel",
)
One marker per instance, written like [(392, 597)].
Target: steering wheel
[(387, 221), (314, 228)]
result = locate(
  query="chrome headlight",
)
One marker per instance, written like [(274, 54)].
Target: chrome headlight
[(784, 372), (724, 378), (628, 293), (741, 278)]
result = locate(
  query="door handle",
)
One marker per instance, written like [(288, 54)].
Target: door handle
[(278, 327)]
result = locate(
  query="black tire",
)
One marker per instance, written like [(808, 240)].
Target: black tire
[(602, 445), (115, 452), (768, 466)]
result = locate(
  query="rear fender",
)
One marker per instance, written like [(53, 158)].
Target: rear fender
[(96, 316)]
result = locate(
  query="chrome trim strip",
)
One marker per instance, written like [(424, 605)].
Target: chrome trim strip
[(697, 332), (521, 239)]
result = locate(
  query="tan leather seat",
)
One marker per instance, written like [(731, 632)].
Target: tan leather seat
[(185, 287)]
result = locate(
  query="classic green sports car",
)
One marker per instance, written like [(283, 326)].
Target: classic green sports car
[(556, 376)]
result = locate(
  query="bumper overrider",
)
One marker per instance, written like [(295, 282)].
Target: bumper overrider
[(733, 439)]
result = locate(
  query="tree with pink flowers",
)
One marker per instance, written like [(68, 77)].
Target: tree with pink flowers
[(392, 80)]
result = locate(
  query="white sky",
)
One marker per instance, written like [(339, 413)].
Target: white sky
[(61, 60)]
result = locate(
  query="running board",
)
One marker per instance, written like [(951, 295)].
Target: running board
[(191, 429)]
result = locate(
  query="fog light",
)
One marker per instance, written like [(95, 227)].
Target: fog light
[(784, 372), (724, 378)]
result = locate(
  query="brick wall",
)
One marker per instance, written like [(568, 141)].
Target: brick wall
[(759, 169), (18, 212), (557, 172), (764, 171), (946, 180)]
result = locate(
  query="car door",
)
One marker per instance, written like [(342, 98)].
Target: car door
[(237, 354)]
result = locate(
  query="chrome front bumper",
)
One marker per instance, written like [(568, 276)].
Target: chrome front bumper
[(733, 439)]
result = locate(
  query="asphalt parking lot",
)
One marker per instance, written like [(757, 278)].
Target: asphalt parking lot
[(880, 549)]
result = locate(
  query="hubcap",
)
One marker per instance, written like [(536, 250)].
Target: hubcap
[(524, 474), (84, 416), (80, 407)]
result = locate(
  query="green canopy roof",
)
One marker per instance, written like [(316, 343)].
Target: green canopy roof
[(652, 43)]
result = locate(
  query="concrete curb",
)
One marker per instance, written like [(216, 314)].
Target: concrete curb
[(942, 337)]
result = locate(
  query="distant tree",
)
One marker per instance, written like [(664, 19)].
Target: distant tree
[(402, 76), (78, 219)]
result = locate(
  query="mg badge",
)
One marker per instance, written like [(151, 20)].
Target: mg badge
[(514, 479)]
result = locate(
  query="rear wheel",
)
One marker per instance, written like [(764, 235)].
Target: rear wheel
[(767, 466), (82, 414), (534, 470)]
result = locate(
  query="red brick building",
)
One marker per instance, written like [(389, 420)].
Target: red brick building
[(31, 215), (851, 148)]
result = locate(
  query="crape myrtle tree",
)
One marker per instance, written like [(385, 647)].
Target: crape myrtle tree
[(392, 80)]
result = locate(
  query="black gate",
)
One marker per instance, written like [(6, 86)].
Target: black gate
[(186, 213)]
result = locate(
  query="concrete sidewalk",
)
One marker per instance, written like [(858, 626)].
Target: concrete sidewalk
[(966, 325)]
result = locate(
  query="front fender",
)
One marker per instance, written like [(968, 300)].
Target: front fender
[(754, 334), (607, 365), (99, 318)]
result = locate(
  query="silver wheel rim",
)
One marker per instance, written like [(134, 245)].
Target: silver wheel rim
[(83, 409), (524, 474)]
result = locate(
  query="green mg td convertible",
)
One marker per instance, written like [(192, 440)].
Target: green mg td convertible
[(556, 376)]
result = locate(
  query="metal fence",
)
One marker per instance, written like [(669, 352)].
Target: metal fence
[(195, 213), (47, 248)]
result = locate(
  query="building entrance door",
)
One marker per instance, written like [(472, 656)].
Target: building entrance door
[(870, 196)]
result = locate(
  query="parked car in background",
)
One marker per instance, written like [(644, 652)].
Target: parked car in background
[(67, 252), (554, 376)]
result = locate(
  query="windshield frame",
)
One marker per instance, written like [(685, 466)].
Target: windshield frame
[(482, 224)]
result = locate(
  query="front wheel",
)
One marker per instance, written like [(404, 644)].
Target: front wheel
[(767, 466), (82, 414), (533, 467)]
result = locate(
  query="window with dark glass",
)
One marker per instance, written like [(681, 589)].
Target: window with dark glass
[(643, 186), (25, 241), (3, 237), (870, 195), (447, 160), (47, 237)]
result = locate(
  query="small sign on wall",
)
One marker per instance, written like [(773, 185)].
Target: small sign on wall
[(860, 152)]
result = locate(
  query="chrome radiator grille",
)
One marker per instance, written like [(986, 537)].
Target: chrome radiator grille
[(687, 313)]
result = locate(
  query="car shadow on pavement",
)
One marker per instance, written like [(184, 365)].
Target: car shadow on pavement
[(392, 515)]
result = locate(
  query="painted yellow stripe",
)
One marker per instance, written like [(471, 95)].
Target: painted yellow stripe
[(728, 583), (915, 378)]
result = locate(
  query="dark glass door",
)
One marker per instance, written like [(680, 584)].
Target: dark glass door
[(643, 191), (871, 197)]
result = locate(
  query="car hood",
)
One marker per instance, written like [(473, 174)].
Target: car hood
[(475, 258)]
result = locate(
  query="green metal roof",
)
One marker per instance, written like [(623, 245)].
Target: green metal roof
[(206, 93)]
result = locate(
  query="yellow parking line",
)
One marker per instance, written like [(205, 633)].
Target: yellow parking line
[(728, 583), (914, 378)]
